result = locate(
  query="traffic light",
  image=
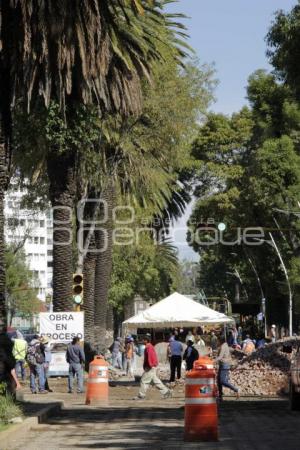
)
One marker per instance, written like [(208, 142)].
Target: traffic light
[(78, 289)]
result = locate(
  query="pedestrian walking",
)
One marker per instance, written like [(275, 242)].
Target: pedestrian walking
[(213, 342), (225, 362), (240, 335), (19, 353), (261, 342), (129, 356), (150, 376), (75, 357), (36, 359), (273, 333), (116, 353), (176, 350), (48, 357), (190, 355)]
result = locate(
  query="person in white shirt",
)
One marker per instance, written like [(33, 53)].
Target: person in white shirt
[(190, 337), (273, 333)]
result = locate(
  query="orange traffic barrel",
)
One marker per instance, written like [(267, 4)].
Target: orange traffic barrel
[(97, 383), (201, 414)]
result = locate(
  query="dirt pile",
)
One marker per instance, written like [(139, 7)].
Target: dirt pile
[(265, 371)]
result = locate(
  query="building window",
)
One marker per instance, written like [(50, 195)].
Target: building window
[(22, 223), (42, 223), (42, 240), (50, 264), (42, 273), (12, 222), (49, 241), (42, 256), (50, 253), (36, 240)]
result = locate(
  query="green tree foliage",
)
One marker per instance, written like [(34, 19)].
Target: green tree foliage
[(21, 285), (249, 171), (146, 269), (283, 47), (188, 278)]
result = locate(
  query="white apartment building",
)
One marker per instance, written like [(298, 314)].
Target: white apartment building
[(35, 229)]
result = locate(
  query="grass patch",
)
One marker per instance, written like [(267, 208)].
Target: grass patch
[(3, 427), (9, 409)]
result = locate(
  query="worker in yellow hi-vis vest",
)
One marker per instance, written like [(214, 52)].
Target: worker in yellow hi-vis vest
[(19, 353)]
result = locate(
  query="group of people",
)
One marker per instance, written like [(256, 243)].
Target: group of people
[(190, 355), (123, 354), (176, 354), (16, 354)]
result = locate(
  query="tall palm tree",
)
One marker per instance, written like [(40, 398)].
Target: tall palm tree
[(72, 52), (104, 264), (5, 143)]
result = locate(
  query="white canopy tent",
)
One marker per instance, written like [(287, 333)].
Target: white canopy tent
[(176, 311)]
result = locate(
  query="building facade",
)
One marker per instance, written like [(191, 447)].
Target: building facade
[(33, 230)]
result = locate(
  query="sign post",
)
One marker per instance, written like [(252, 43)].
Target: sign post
[(62, 327)]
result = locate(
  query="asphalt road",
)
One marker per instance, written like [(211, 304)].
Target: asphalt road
[(244, 425)]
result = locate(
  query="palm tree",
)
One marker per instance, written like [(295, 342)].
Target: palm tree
[(91, 52), (104, 265), (5, 144)]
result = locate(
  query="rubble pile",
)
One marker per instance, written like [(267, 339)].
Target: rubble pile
[(265, 371)]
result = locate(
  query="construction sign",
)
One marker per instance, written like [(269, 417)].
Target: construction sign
[(62, 327)]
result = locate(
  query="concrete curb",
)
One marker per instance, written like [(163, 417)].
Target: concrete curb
[(10, 438)]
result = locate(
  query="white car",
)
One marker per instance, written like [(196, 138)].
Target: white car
[(58, 366)]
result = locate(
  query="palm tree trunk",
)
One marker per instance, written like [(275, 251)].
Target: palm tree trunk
[(5, 141), (109, 325), (61, 173), (89, 268), (3, 310), (104, 266)]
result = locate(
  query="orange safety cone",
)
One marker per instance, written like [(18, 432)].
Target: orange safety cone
[(97, 383), (201, 414)]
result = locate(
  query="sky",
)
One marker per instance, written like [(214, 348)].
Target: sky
[(230, 34)]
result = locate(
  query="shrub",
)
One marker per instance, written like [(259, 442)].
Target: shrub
[(8, 408)]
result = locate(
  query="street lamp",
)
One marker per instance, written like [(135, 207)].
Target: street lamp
[(273, 244), (237, 275), (263, 299)]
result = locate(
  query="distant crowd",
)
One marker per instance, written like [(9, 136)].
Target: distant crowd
[(183, 349)]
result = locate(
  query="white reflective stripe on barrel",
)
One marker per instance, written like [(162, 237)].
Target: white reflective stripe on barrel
[(97, 380), (190, 381), (200, 401), (104, 368)]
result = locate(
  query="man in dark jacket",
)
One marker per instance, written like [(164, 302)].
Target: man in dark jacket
[(190, 355), (7, 364), (75, 357)]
